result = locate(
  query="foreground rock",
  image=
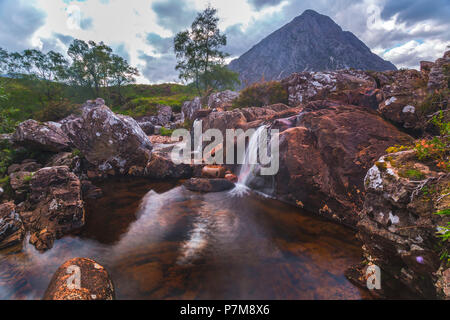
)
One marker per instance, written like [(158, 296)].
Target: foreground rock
[(95, 282), (324, 158), (46, 136), (12, 231), (110, 142), (54, 207), (208, 185), (398, 225)]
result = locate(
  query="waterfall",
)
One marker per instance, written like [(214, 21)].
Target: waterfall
[(198, 140), (250, 164)]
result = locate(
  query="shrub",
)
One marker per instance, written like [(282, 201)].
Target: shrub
[(262, 94), (56, 110), (166, 132)]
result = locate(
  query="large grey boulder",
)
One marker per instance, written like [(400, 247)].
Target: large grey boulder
[(189, 108), (107, 140)]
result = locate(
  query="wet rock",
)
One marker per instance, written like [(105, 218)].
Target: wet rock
[(54, 207), (324, 159), (231, 177), (208, 185), (212, 171), (107, 140), (95, 282), (161, 166), (12, 231), (222, 99), (89, 191), (398, 226), (46, 136), (189, 108)]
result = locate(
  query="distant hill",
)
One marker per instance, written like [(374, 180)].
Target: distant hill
[(310, 42)]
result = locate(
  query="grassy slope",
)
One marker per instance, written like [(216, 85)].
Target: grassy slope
[(26, 98)]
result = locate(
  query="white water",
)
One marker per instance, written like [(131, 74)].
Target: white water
[(250, 165)]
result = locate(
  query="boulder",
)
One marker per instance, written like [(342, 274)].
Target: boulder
[(28, 165), (108, 141), (212, 171), (309, 86), (161, 166), (222, 99), (398, 226), (402, 98), (12, 231), (147, 126), (46, 136), (208, 185), (95, 282), (324, 159), (69, 159), (189, 108), (164, 115), (54, 207)]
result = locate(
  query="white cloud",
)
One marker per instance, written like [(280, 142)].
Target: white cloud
[(401, 33)]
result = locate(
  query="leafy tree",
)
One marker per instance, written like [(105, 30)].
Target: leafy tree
[(198, 51), (95, 66), (121, 73), (90, 63)]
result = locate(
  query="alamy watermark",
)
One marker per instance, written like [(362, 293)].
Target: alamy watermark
[(373, 275), (211, 147)]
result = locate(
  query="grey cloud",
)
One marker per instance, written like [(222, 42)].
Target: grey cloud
[(259, 4), (413, 11), (160, 69), (174, 15), (67, 40), (121, 51), (18, 21), (160, 44), (86, 23)]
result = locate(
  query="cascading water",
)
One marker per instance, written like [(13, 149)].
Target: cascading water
[(250, 164)]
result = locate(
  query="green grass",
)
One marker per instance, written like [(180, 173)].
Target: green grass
[(27, 101)]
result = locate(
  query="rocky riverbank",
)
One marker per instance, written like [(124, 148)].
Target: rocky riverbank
[(334, 136)]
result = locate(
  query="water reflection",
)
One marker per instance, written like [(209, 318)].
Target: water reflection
[(160, 241)]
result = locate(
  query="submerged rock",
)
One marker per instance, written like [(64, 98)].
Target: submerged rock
[(208, 185), (94, 282), (12, 231), (109, 141), (46, 136)]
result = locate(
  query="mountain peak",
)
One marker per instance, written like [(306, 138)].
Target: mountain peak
[(310, 42)]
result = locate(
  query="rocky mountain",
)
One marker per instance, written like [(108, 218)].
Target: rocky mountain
[(310, 42)]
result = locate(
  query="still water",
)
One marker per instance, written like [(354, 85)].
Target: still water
[(161, 241)]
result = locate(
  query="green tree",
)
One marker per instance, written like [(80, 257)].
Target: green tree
[(121, 73), (90, 64), (198, 51)]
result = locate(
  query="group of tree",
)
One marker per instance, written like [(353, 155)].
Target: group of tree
[(199, 56), (91, 66)]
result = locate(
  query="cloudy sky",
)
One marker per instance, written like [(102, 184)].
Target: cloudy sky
[(402, 31)]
